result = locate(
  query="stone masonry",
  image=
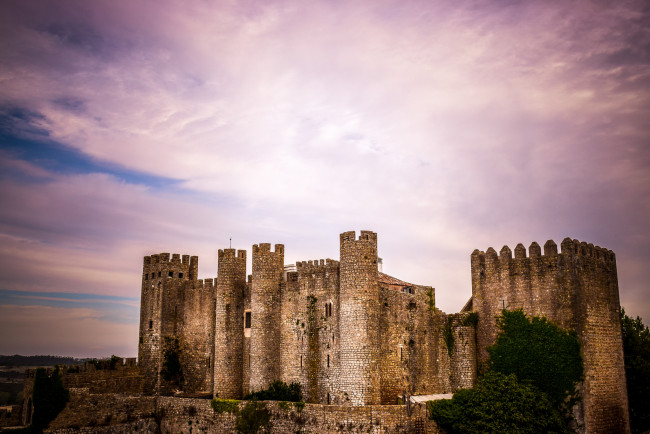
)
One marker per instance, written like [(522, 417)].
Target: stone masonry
[(354, 336)]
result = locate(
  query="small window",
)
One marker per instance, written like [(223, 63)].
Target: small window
[(328, 398), (247, 321), (171, 274), (328, 360), (180, 275), (153, 275), (150, 325), (160, 274), (301, 361)]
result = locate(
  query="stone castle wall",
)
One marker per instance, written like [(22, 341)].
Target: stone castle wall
[(576, 289), (353, 336), (113, 413)]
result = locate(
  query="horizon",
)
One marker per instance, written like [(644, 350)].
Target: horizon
[(129, 129)]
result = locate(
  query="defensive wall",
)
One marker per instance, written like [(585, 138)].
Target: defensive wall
[(114, 413)]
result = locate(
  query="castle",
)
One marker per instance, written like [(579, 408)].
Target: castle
[(352, 335)]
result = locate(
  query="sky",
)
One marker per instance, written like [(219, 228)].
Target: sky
[(133, 128)]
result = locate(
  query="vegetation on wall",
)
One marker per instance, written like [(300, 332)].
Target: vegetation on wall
[(448, 335), (636, 349), (530, 385), (225, 405)]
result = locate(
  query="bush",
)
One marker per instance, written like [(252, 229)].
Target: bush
[(278, 391), (498, 404), (252, 417)]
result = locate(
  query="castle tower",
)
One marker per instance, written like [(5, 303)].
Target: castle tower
[(268, 268), (229, 324), (160, 317), (575, 289), (359, 319)]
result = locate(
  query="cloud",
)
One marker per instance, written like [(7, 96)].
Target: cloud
[(75, 332), (444, 126)]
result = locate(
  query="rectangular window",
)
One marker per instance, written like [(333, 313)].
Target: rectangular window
[(328, 360), (247, 321), (180, 275), (150, 325), (171, 274), (153, 275), (159, 274)]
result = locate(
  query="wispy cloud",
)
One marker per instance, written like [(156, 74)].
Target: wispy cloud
[(444, 126)]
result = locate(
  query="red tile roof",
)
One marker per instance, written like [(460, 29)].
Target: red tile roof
[(390, 280)]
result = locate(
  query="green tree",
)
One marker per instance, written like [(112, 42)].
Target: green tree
[(50, 397), (252, 417), (636, 348), (498, 404), (539, 352)]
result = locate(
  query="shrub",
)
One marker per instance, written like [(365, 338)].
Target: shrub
[(278, 391), (498, 404), (252, 417)]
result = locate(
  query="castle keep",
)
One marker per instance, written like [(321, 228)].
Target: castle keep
[(352, 335)]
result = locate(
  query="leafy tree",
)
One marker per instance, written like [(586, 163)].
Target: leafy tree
[(50, 397), (252, 417), (498, 404), (530, 385), (539, 352), (636, 348)]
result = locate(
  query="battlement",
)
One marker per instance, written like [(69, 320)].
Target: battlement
[(231, 253), (317, 265), (203, 283), (364, 236), (164, 258), (266, 248), (573, 248)]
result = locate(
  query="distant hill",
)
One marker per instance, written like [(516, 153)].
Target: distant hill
[(17, 360)]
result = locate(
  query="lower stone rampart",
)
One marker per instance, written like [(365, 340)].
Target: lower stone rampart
[(113, 413)]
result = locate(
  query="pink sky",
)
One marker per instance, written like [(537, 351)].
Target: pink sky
[(132, 128)]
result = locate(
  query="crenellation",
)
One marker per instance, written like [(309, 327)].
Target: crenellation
[(353, 336), (550, 248)]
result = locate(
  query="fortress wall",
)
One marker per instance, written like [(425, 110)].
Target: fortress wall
[(292, 333), (228, 337), (576, 289), (316, 324), (197, 338), (408, 360), (359, 319), (268, 268), (111, 413)]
